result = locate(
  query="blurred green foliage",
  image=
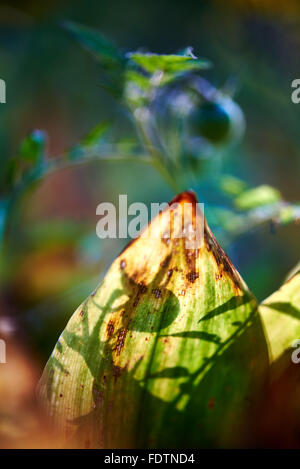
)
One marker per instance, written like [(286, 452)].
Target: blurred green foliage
[(171, 113)]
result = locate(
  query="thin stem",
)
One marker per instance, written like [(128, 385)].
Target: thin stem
[(156, 155), (49, 167), (156, 163)]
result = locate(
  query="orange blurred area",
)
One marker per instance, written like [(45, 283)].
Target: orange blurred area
[(22, 425)]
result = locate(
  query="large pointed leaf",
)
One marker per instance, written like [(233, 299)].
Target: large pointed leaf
[(165, 353)]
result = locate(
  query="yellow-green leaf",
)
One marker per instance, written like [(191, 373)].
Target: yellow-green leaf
[(278, 412), (172, 63), (281, 317), (167, 351)]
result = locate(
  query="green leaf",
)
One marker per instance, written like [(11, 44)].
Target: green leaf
[(288, 214), (94, 42), (96, 134), (95, 137), (278, 406), (110, 58), (165, 353), (31, 154), (171, 63), (166, 68), (232, 185), (32, 148), (281, 317), (136, 78), (257, 197)]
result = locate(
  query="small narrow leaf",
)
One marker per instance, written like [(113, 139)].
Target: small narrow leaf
[(166, 352), (257, 197), (109, 57), (93, 41), (232, 185), (32, 147), (96, 134)]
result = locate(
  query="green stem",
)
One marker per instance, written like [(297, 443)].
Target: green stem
[(156, 156), (156, 163), (59, 164)]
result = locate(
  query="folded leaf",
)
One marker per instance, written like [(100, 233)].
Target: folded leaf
[(166, 352), (278, 413), (281, 317)]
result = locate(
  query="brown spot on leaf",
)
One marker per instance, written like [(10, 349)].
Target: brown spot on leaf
[(192, 276), (122, 264), (221, 258), (110, 328), (117, 371), (141, 290), (156, 292), (190, 255), (121, 340), (211, 403), (98, 397)]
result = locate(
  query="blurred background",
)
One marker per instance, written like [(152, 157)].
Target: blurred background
[(53, 258)]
